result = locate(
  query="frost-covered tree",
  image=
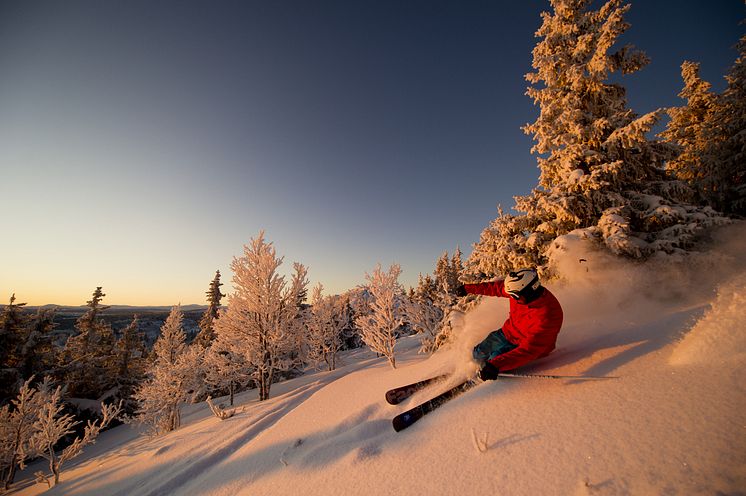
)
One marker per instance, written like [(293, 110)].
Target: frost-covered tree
[(206, 323), (428, 309), (129, 350), (130, 363), (16, 429), (172, 341), (442, 271), (225, 371), (262, 312), (87, 361), (350, 332), (37, 354), (379, 328), (297, 353), (326, 323), (726, 157), (426, 288), (733, 152), (52, 425), (170, 377), (687, 128), (447, 272), (13, 323), (709, 131), (424, 317), (457, 268), (13, 334), (598, 169)]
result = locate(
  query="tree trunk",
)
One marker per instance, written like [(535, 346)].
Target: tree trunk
[(264, 387), (54, 466), (10, 475), (232, 388)]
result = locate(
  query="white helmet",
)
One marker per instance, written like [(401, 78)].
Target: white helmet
[(523, 283)]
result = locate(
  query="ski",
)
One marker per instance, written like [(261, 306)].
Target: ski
[(567, 377), (404, 420), (401, 393)]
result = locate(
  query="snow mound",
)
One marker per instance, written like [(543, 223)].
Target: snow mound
[(719, 336)]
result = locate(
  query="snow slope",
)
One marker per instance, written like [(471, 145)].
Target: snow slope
[(674, 422)]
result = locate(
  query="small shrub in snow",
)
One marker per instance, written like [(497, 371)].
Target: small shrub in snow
[(52, 425), (219, 411), (16, 429), (35, 424)]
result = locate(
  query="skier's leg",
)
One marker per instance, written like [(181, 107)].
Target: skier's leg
[(493, 345)]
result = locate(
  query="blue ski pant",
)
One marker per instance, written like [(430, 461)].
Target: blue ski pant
[(493, 345)]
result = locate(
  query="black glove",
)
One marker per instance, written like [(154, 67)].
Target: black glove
[(461, 291), (489, 372)]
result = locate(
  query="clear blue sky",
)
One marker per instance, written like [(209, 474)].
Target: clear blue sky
[(142, 143)]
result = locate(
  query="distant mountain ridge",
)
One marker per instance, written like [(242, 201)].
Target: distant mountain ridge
[(150, 318), (115, 308)]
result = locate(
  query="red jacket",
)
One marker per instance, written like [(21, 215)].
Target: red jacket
[(532, 327)]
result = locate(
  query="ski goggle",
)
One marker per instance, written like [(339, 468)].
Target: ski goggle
[(514, 295)]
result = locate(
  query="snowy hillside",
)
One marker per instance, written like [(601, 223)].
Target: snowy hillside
[(674, 421)]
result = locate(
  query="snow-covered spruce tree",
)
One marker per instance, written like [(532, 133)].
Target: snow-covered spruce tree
[(130, 364), (687, 128), (709, 131), (379, 328), (447, 272), (13, 333), (426, 288), (262, 312), (435, 297), (206, 323), (726, 156), (598, 170), (13, 327), (456, 269), (87, 360), (172, 341), (350, 333), (169, 379), (52, 425), (39, 353), (327, 319)]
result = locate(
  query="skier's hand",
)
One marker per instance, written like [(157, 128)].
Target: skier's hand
[(460, 291), (489, 372)]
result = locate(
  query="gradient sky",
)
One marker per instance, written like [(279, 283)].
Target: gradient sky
[(142, 143)]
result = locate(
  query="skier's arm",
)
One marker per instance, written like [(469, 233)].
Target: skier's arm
[(494, 288)]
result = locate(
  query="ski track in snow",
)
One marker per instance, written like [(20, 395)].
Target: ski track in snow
[(171, 476), (261, 422), (221, 448)]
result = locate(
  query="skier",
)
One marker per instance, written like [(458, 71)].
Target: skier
[(530, 332)]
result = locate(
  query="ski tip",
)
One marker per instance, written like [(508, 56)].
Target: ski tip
[(398, 424), (404, 420)]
